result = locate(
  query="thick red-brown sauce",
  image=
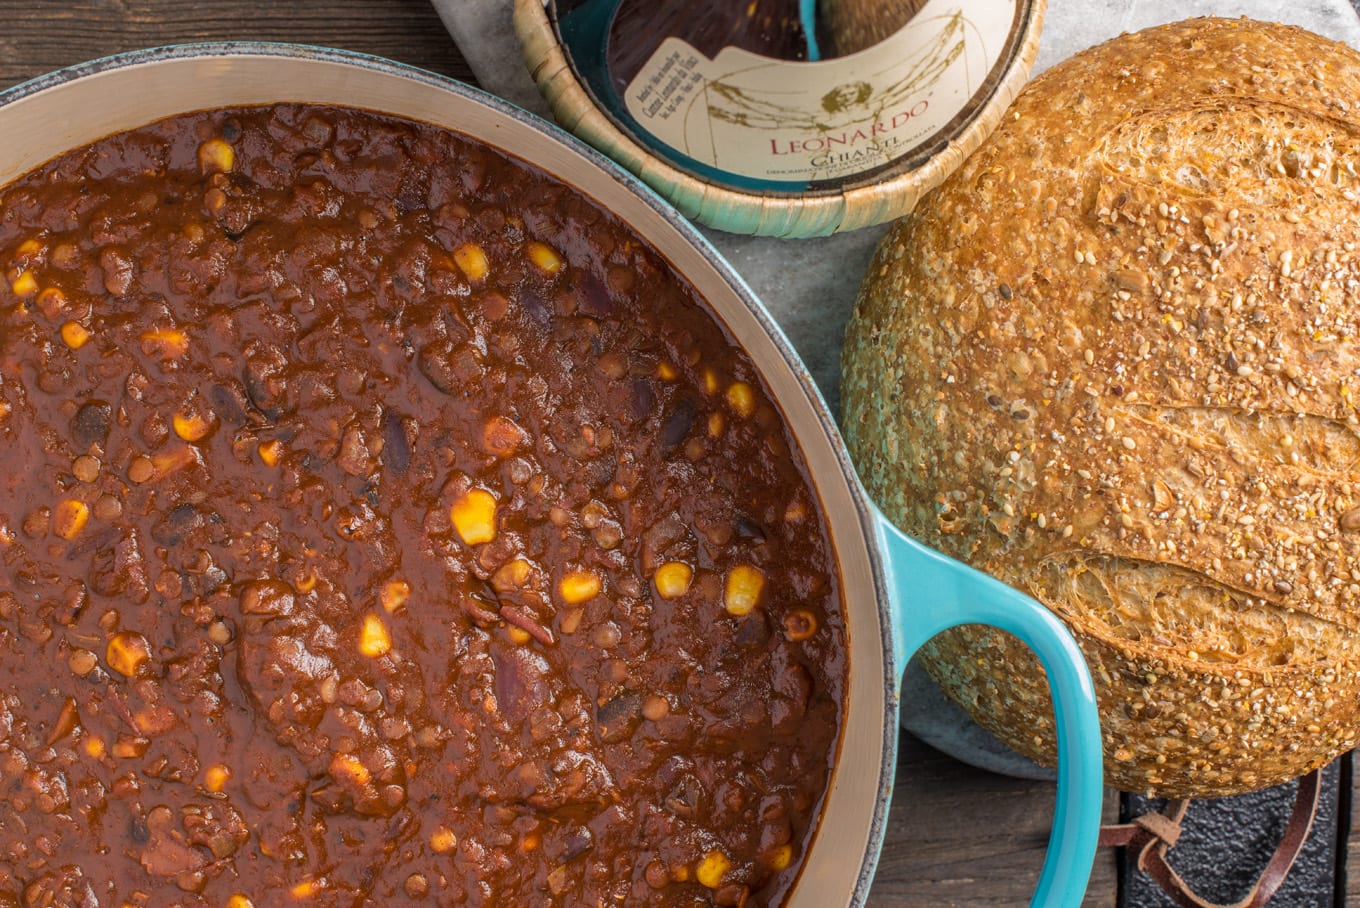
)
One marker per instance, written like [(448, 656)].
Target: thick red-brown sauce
[(352, 477)]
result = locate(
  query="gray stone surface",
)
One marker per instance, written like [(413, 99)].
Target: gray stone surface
[(810, 285)]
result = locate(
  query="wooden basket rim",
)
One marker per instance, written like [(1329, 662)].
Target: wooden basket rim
[(785, 215)]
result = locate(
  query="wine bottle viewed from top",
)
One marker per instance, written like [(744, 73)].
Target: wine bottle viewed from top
[(790, 95)]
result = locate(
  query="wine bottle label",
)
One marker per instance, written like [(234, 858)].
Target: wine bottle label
[(786, 121)]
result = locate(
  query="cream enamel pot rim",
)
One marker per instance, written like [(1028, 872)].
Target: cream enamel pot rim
[(898, 594)]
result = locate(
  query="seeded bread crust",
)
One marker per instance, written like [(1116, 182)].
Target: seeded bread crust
[(1113, 361)]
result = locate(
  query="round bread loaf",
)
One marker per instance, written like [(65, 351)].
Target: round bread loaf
[(1113, 361)]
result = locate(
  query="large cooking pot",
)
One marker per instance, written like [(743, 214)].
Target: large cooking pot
[(898, 594)]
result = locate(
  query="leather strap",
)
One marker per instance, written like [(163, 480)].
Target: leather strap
[(1152, 835)]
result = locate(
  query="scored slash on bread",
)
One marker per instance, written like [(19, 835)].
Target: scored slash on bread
[(1112, 361)]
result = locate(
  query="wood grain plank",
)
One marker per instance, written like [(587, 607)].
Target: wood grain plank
[(959, 837), (37, 37), (1348, 883)]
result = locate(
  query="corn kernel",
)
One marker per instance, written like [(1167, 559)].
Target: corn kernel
[(442, 840), (304, 890), (192, 426), (95, 747), (518, 635), (530, 842), (215, 779), (75, 335), (348, 766), (271, 452), (672, 579), (741, 398), (127, 653), (474, 516), (742, 591), (666, 372), (394, 595), (28, 249), (545, 258), (374, 640), (165, 343), (712, 869), (781, 857), (710, 381), (800, 625), (471, 260), (239, 901), (69, 518), (715, 424), (216, 156), (579, 586), (25, 285), (305, 582)]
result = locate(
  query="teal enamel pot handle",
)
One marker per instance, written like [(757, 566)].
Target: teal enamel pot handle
[(928, 593)]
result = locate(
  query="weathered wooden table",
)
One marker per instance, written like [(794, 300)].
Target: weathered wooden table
[(957, 836)]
